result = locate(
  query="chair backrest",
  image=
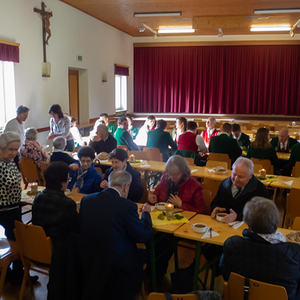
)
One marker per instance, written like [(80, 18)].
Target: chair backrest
[(44, 166), (257, 167), (161, 296), (154, 154), (234, 289), (124, 147), (189, 161), (33, 243), (76, 149), (139, 154), (296, 170), (215, 163), (266, 163), (211, 185), (99, 170), (207, 197), (189, 153), (29, 171), (144, 198), (220, 157), (292, 207), (296, 224)]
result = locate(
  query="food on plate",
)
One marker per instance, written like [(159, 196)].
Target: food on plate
[(294, 236)]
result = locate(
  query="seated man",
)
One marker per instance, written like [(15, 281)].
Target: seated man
[(123, 137), (295, 156), (104, 118), (59, 144), (235, 191), (119, 162), (51, 209), (283, 142), (103, 141), (262, 253), (119, 227), (190, 141), (210, 131), (224, 144), (241, 138), (159, 138)]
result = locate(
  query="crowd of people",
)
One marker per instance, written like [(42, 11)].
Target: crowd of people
[(108, 213)]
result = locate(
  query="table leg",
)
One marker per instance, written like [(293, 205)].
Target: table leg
[(152, 262), (197, 263)]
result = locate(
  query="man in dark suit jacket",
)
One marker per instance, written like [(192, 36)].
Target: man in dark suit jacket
[(283, 142), (113, 219), (224, 144), (242, 139)]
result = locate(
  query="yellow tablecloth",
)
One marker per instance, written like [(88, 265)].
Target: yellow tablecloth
[(156, 221)]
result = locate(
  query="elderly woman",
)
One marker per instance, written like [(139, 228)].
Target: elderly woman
[(119, 162), (262, 253), (177, 186), (262, 149), (32, 149), (60, 125), (86, 179)]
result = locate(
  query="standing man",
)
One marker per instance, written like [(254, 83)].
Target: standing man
[(283, 142), (123, 137), (241, 138), (235, 191), (119, 228), (210, 131), (16, 125)]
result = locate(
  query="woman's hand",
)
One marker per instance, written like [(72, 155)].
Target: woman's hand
[(152, 198), (175, 200), (104, 184)]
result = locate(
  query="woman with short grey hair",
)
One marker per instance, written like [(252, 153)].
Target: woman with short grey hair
[(177, 186), (32, 149)]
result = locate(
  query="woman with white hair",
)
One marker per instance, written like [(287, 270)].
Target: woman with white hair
[(263, 253)]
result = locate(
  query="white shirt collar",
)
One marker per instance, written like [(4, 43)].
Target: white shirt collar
[(210, 131)]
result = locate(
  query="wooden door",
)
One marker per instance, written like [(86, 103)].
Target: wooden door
[(74, 94)]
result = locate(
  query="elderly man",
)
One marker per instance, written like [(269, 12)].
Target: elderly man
[(282, 142), (109, 217), (16, 125), (235, 191), (103, 141), (224, 144), (241, 138), (210, 131), (123, 137)]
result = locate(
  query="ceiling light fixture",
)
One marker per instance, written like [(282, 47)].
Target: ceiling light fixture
[(144, 26), (284, 27), (158, 14), (176, 30), (276, 11), (220, 34), (297, 24)]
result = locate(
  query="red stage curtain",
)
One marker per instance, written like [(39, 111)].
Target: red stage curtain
[(218, 79), (9, 53)]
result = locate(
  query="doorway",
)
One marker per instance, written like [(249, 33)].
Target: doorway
[(74, 94)]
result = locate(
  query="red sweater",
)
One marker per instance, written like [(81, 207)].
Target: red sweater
[(187, 141), (207, 138), (190, 193)]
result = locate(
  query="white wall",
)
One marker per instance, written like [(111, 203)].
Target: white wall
[(73, 33)]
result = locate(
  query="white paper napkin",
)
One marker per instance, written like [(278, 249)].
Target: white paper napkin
[(105, 160), (289, 182), (236, 224), (210, 170), (207, 234), (192, 171), (145, 166)]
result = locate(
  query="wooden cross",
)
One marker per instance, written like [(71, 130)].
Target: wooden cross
[(46, 26)]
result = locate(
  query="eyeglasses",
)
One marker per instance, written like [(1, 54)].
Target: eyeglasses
[(88, 161), (173, 175)]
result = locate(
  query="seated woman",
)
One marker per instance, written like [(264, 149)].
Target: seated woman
[(51, 209), (119, 162), (262, 253), (177, 186), (262, 149), (180, 127), (149, 125), (86, 179), (32, 149)]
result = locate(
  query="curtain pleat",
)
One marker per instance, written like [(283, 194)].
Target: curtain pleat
[(9, 53)]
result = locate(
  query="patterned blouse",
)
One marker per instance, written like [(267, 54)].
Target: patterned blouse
[(10, 185), (32, 149), (62, 127)]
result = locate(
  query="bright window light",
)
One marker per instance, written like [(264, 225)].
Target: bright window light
[(270, 28), (120, 92), (176, 30)]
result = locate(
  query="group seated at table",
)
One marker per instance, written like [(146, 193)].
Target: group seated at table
[(262, 253)]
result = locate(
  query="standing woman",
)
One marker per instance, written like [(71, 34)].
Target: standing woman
[(60, 126)]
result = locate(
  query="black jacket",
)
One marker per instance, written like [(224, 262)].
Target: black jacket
[(254, 257), (107, 145)]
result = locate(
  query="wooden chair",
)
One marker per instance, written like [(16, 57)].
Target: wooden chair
[(189, 161), (124, 147), (139, 154), (257, 168), (153, 154), (76, 149), (35, 249), (29, 171), (220, 157), (99, 170), (296, 224), (161, 296), (296, 170), (266, 163), (207, 197), (211, 185), (292, 209), (234, 289), (44, 166), (215, 163), (9, 252)]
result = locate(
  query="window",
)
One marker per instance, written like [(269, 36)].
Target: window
[(7, 93), (120, 92)]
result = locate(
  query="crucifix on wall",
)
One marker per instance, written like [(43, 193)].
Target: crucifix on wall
[(46, 66)]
